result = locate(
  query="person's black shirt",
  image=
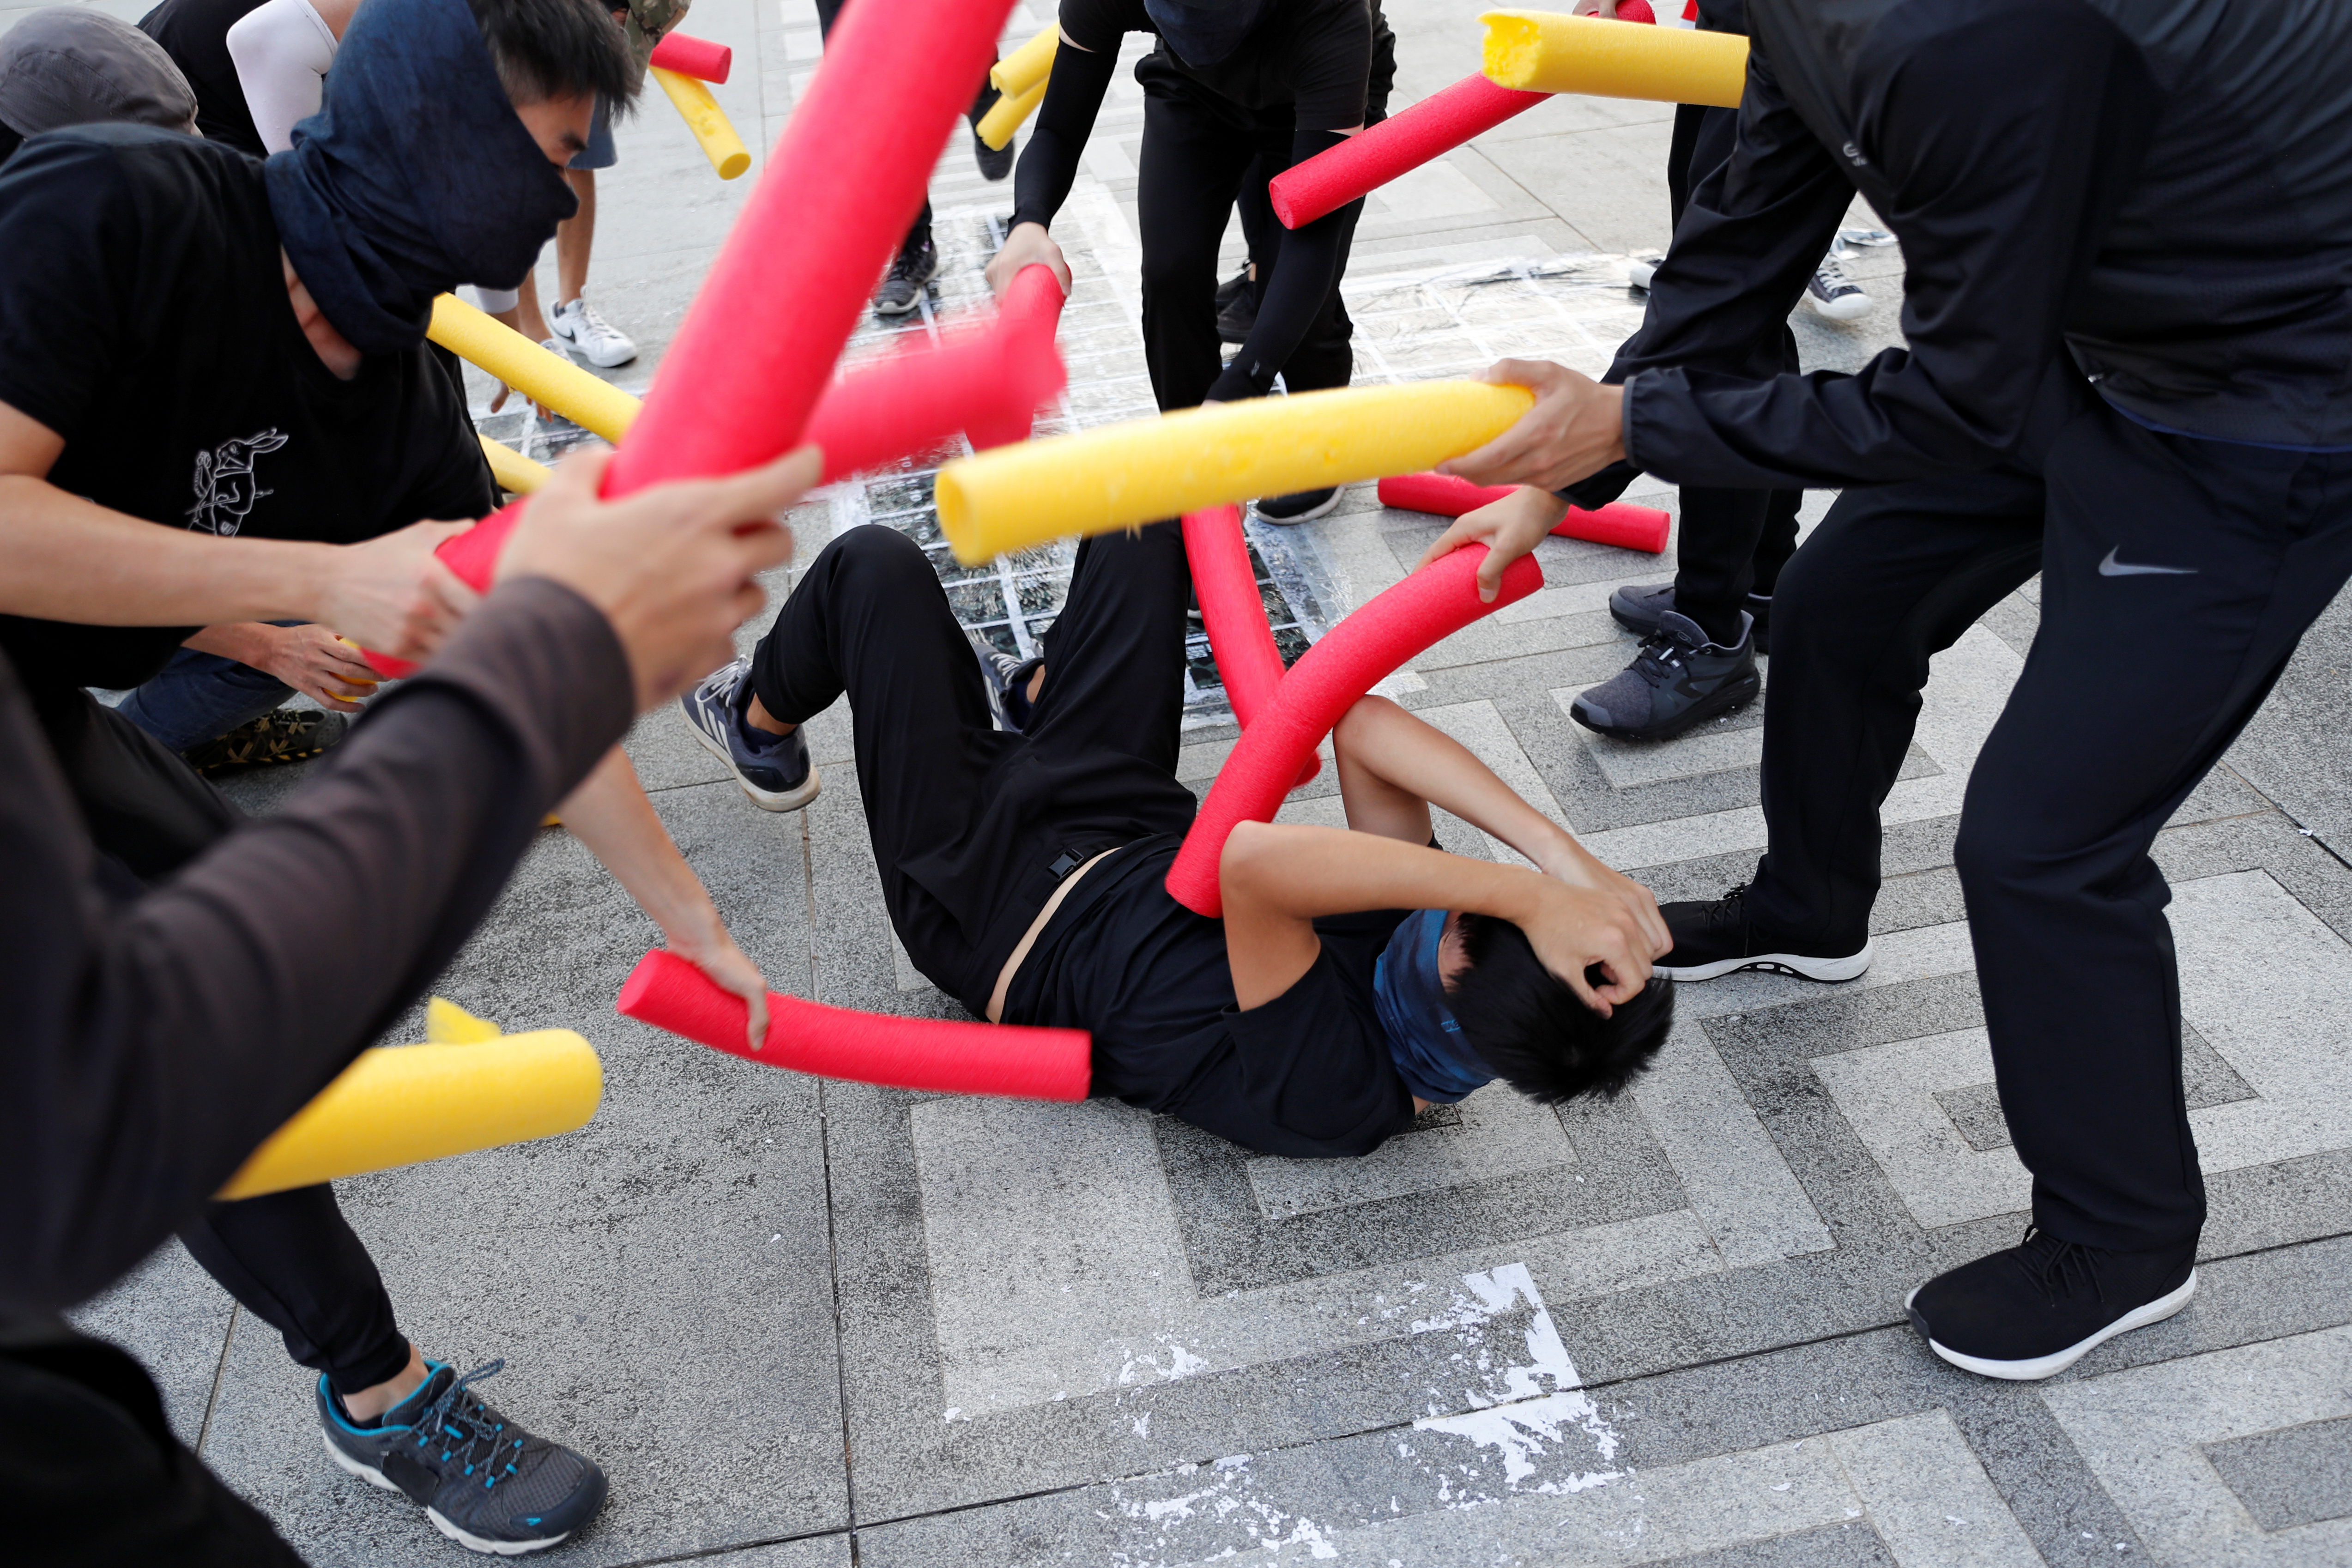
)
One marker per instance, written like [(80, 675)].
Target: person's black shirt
[(1308, 1075), (144, 309), (194, 33)]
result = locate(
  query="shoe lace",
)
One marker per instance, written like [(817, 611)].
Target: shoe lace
[(1662, 657), (475, 1436), (1831, 273), (590, 321), (2059, 1267)]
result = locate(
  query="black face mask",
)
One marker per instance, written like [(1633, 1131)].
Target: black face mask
[(1204, 32), (416, 176)]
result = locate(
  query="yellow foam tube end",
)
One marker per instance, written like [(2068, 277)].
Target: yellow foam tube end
[(1548, 51), (354, 679), (401, 1105), (1027, 66), (447, 1024), (541, 376), (1146, 470), (516, 473), (709, 122), (997, 126)]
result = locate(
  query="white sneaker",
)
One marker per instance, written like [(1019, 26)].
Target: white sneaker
[(590, 335), (1830, 295), (1638, 272)]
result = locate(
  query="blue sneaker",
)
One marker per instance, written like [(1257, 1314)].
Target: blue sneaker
[(484, 1482), (774, 770)]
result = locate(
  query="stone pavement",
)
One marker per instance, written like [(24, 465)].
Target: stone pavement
[(807, 1323)]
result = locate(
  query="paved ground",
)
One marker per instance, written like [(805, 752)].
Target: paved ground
[(808, 1324)]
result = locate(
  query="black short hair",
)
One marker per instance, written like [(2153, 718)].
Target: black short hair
[(1535, 1033), (552, 48)]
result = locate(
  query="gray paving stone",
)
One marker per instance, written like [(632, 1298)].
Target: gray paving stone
[(2294, 1476)]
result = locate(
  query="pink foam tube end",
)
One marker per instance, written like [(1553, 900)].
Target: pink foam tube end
[(701, 59), (1239, 637), (1396, 627), (911, 401), (1405, 141), (1620, 523), (1032, 312), (473, 555), (1636, 11), (933, 1054)]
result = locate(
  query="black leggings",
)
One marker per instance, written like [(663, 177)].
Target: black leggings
[(972, 827)]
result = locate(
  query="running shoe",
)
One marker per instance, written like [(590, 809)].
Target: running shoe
[(1638, 606), (283, 735), (1236, 308), (902, 286), (995, 163), (2031, 1311), (1297, 507), (484, 1482), (1830, 295), (1006, 680), (1714, 937), (590, 335), (1679, 679), (773, 769)]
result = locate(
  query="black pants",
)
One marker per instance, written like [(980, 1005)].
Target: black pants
[(828, 12), (2137, 681), (1199, 151), (972, 826), (1731, 543), (289, 1258)]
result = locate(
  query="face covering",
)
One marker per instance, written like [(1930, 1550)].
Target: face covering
[(1204, 32), (1409, 992), (415, 175)]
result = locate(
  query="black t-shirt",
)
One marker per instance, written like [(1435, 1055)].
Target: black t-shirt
[(144, 315), (1307, 1074), (1321, 58), (194, 33)]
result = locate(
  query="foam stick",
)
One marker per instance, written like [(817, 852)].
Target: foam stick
[(1118, 476), (447, 1024), (1404, 140), (1621, 523), (405, 1104), (516, 473), (1005, 116), (937, 1054), (1397, 625), (1239, 637), (548, 378), (1546, 51), (1025, 66), (709, 122), (1032, 309), (698, 57)]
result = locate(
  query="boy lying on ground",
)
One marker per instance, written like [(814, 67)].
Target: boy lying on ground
[(1357, 976)]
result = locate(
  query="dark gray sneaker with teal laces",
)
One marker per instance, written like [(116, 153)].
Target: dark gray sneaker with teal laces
[(773, 769), (1679, 679), (484, 1482)]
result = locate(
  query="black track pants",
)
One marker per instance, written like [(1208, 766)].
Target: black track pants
[(2176, 578)]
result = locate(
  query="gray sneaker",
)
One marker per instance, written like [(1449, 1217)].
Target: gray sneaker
[(774, 771), (1637, 608), (1679, 679)]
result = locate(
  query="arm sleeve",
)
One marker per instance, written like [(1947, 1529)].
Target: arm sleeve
[(1304, 269), (282, 50), (2010, 142), (150, 1047), (1074, 95)]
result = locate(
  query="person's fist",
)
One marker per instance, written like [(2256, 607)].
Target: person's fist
[(1575, 429), (1027, 246), (392, 593)]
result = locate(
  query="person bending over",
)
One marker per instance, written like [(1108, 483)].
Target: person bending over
[(1237, 89), (1357, 977)]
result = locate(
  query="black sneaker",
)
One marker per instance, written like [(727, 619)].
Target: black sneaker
[(903, 284), (1829, 293), (484, 1482), (2034, 1310), (1236, 308), (285, 735), (1297, 507), (1714, 937), (1638, 607), (1679, 679), (995, 163), (1006, 677), (774, 770)]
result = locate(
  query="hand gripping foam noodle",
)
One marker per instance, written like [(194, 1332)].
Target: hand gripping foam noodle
[(403, 1104), (1620, 523), (1120, 476), (1403, 141), (1239, 639), (709, 122), (1545, 51), (1329, 679), (936, 1054), (1006, 115), (1027, 66), (697, 57), (587, 401)]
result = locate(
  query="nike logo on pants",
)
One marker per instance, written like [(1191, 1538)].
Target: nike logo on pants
[(2111, 567)]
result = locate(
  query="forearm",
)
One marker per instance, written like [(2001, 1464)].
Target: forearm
[(1298, 872), (1304, 270), (72, 560), (1074, 95), (1415, 759), (610, 814)]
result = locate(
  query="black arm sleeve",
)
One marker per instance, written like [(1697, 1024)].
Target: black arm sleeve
[(1074, 96), (1304, 270), (150, 1047)]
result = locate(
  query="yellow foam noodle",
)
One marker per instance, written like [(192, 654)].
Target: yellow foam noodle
[(1004, 117), (354, 679), (1025, 66), (401, 1105), (709, 122), (516, 473), (1550, 51), (447, 1024), (543, 377), (1146, 470)]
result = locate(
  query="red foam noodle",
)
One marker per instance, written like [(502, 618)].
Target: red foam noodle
[(1399, 144), (697, 57), (1239, 636), (1621, 523), (1027, 318)]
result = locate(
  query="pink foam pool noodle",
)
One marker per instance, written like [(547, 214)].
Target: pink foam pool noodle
[(1396, 627), (697, 57), (1403, 141), (1239, 636), (1029, 315), (1621, 523), (1636, 11), (934, 1054)]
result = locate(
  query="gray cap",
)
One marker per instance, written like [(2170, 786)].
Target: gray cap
[(68, 65)]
